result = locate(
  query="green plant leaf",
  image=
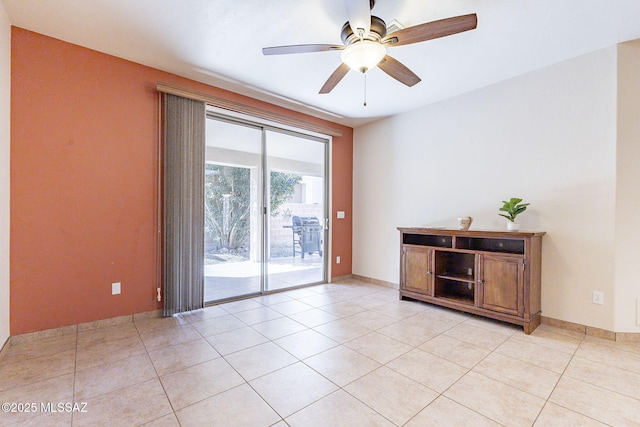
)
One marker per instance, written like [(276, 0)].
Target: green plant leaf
[(513, 208)]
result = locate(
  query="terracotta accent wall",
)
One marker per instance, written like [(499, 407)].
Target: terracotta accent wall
[(84, 134), (342, 189)]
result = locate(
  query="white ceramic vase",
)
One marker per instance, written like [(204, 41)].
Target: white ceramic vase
[(513, 226)]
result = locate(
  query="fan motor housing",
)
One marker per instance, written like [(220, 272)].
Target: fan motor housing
[(376, 33)]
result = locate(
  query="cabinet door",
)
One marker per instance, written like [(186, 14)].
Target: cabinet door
[(501, 284), (417, 268)]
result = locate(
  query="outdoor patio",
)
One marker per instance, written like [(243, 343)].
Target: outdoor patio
[(231, 279)]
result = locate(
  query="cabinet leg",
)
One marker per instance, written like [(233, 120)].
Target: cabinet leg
[(532, 325)]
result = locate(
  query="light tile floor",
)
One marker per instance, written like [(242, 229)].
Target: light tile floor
[(346, 354)]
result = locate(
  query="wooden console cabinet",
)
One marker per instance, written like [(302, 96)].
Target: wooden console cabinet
[(490, 273)]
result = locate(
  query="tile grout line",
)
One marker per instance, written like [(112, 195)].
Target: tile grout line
[(298, 360), (232, 367), (399, 373), (548, 399), (562, 375), (73, 385), (173, 411), (342, 388), (339, 388), (117, 360), (468, 370), (385, 364)]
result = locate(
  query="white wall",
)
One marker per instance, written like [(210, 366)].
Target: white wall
[(548, 137), (627, 271), (5, 107)]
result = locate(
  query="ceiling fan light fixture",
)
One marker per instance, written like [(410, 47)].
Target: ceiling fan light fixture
[(363, 55)]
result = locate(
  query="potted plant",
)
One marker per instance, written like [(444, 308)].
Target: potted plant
[(513, 208)]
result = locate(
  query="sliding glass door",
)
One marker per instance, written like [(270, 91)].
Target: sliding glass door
[(296, 232), (265, 209), (233, 215)]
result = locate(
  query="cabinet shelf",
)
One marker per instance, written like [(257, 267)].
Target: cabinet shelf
[(458, 298), (445, 287), (457, 277)]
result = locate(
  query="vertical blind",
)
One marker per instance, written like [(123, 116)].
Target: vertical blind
[(183, 204)]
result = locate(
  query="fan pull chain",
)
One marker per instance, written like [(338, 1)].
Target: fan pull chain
[(365, 89)]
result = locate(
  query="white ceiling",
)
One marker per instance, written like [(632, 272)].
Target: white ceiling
[(219, 42)]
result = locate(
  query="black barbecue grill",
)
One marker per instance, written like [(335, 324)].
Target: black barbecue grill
[(307, 235)]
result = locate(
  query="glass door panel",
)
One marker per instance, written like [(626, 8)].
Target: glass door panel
[(233, 205), (295, 223)]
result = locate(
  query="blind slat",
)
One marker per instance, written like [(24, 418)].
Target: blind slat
[(183, 198)]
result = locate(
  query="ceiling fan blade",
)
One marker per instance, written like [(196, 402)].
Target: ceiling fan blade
[(335, 78), (432, 30), (398, 71), (359, 15), (299, 48)]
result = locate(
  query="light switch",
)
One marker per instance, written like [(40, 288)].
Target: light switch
[(340, 214)]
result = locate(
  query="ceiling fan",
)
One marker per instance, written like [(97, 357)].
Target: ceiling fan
[(366, 41)]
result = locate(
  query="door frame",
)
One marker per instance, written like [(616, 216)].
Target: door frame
[(219, 114)]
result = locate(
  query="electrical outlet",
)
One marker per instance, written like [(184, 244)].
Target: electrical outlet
[(598, 297), (115, 288), (338, 260)]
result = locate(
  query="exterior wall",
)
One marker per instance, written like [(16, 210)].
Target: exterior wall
[(5, 138), (548, 136), (279, 236), (84, 182)]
